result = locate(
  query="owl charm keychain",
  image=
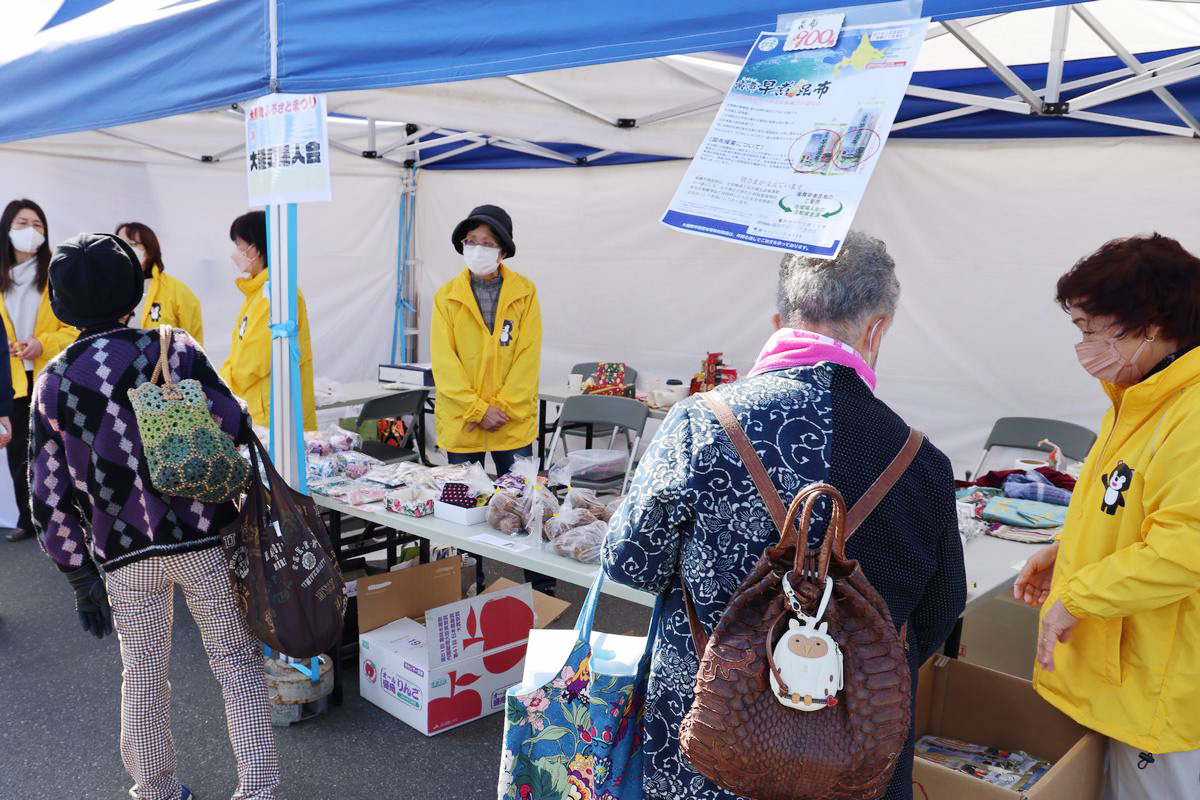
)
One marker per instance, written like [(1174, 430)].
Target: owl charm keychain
[(807, 673)]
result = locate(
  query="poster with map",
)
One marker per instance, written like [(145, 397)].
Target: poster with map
[(789, 154)]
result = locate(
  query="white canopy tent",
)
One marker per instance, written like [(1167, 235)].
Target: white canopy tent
[(980, 228)]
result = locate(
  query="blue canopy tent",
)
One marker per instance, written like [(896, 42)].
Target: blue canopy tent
[(101, 64)]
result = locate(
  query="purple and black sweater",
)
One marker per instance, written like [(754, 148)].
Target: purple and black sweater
[(91, 491)]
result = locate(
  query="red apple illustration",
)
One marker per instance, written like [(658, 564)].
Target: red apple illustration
[(502, 621), (458, 707)]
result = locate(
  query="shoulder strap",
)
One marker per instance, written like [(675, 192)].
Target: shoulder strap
[(163, 367), (854, 518)]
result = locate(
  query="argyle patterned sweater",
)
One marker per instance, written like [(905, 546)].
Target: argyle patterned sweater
[(89, 480)]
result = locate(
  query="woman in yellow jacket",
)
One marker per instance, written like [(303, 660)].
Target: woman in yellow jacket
[(486, 346), (247, 370), (1119, 649), (167, 300), (34, 334)]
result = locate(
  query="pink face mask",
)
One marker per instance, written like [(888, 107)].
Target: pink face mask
[(240, 260), (1104, 362)]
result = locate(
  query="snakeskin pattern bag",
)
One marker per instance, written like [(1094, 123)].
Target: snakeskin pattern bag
[(831, 723), (188, 455)]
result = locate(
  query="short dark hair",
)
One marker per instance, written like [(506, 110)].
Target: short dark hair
[(8, 253), (1140, 282), (146, 239), (251, 228)]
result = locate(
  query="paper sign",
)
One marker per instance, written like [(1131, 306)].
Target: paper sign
[(788, 156), (287, 149), (814, 33), (497, 541)]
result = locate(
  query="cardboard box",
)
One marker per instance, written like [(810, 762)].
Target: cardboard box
[(406, 374), (977, 705), (435, 661)]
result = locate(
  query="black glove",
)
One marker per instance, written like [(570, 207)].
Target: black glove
[(91, 600)]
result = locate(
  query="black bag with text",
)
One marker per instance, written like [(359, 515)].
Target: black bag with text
[(285, 576)]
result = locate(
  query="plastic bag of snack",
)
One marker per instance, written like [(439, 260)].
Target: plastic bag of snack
[(565, 520), (502, 513), (583, 543), (585, 499)]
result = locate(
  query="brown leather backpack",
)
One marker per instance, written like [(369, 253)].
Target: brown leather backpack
[(738, 733)]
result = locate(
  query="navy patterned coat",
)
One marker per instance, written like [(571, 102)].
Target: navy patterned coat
[(694, 508)]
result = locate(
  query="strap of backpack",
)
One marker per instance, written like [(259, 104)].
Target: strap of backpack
[(766, 487)]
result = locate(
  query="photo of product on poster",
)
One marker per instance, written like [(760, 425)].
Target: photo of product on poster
[(789, 154)]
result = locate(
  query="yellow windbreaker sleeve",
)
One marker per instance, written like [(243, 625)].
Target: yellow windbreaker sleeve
[(54, 334), (190, 318), (449, 373), (522, 382), (1165, 566)]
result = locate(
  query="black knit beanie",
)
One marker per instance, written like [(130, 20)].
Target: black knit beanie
[(95, 279)]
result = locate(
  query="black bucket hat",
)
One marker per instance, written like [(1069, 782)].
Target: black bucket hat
[(95, 279), (495, 218)]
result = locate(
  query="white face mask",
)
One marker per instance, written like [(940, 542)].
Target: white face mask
[(27, 240), (481, 260), (141, 252)]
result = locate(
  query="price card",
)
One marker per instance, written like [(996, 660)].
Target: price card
[(814, 33)]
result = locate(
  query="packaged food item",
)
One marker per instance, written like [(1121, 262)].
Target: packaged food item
[(1011, 769), (611, 508), (583, 543), (502, 513)]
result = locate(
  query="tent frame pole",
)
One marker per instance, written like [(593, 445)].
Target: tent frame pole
[(1002, 71), (1184, 69), (1058, 51), (565, 99), (1138, 68)]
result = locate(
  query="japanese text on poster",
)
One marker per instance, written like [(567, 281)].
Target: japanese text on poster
[(789, 154), (287, 149)]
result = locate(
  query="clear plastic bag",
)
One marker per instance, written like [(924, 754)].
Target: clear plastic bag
[(596, 465), (356, 465), (611, 509), (583, 543), (473, 476), (331, 440)]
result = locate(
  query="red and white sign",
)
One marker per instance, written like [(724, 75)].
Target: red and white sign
[(814, 33)]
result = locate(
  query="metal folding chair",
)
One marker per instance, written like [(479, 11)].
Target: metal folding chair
[(1026, 432), (400, 405), (618, 413)]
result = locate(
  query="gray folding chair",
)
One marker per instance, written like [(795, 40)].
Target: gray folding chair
[(618, 413), (588, 369), (399, 405), (1025, 432)]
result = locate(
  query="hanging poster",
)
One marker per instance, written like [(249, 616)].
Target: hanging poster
[(789, 154), (287, 149)]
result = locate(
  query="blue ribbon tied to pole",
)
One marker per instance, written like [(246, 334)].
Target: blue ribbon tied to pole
[(288, 330)]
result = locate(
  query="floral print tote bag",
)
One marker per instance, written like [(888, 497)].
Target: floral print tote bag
[(578, 736)]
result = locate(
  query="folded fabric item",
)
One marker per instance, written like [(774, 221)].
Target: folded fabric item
[(458, 494), (1026, 535), (995, 480), (1024, 513), (1033, 485), (976, 496)]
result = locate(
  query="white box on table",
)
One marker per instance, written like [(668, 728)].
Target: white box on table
[(458, 514), (419, 375)]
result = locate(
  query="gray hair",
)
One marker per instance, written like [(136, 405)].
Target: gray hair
[(840, 293)]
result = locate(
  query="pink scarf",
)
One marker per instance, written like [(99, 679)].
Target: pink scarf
[(792, 347)]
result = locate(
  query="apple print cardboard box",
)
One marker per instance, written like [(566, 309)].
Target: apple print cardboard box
[(436, 661)]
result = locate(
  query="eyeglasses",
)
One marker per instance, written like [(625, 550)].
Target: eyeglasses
[(478, 243)]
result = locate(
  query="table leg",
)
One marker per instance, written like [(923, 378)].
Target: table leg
[(954, 640), (541, 434), (424, 559), (420, 431)]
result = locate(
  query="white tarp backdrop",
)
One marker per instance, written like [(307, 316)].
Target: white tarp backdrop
[(980, 231)]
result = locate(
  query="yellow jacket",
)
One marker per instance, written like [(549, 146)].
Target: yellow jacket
[(54, 335), (475, 368), (170, 302), (1129, 568), (247, 370)]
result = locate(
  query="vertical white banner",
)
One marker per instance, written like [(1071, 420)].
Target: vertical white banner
[(287, 150)]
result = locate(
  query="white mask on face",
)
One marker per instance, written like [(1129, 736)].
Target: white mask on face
[(27, 240), (481, 260), (241, 260)]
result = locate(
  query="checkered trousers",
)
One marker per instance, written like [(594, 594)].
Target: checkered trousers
[(141, 595)]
